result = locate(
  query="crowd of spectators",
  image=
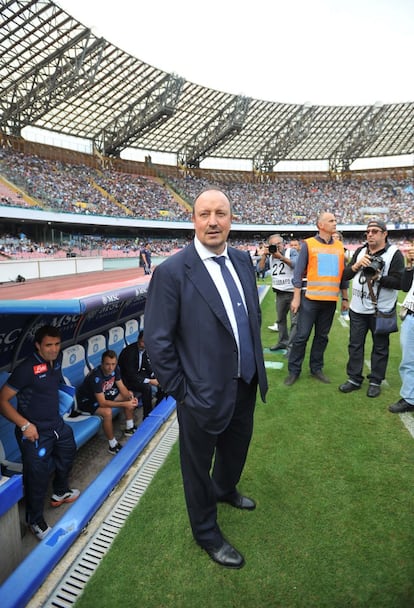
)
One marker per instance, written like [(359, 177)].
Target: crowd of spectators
[(80, 189), (142, 196), (292, 201), (68, 188), (20, 246)]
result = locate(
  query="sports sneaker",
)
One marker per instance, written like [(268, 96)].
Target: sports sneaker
[(131, 431), (69, 496), (274, 327), (40, 529), (115, 449)]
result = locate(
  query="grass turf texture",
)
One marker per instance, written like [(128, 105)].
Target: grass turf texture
[(332, 475)]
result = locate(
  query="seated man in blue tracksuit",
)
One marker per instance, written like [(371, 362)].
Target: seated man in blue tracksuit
[(104, 389)]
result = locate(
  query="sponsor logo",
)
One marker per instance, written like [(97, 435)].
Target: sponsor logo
[(110, 298)]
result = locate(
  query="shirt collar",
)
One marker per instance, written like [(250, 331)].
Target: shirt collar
[(321, 240), (205, 253)]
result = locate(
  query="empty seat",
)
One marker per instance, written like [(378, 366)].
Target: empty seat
[(10, 456), (115, 339), (84, 427), (131, 331), (74, 366), (94, 349)]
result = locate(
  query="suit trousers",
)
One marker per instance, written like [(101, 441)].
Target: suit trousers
[(226, 451), (359, 326), (311, 313), (144, 389)]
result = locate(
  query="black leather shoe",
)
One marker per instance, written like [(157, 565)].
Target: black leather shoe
[(239, 502), (291, 379), (348, 387), (319, 375), (277, 347), (373, 390), (226, 556), (401, 406)]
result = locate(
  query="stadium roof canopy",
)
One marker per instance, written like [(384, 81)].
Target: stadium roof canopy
[(57, 75)]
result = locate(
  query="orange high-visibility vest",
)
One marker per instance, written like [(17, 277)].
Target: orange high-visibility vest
[(325, 267)]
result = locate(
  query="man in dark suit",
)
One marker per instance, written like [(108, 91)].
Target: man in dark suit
[(192, 336), (138, 375)]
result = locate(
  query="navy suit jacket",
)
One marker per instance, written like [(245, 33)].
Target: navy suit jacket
[(128, 362), (189, 338)]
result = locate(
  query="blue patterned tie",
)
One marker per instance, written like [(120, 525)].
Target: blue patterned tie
[(247, 360)]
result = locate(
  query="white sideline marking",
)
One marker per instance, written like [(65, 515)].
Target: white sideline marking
[(408, 422), (273, 364), (406, 418)]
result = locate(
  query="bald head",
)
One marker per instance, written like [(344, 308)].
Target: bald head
[(326, 224)]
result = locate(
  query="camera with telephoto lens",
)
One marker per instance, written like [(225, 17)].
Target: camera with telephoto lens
[(375, 266), (273, 248)]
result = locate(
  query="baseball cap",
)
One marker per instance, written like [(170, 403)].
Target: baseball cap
[(377, 224)]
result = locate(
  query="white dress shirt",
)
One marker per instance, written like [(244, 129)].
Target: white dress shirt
[(215, 272)]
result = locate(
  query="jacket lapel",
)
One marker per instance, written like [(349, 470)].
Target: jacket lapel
[(197, 273)]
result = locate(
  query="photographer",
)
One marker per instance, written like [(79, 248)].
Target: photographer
[(281, 262), (376, 269)]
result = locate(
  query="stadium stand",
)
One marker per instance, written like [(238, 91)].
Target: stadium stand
[(281, 200), (86, 189)]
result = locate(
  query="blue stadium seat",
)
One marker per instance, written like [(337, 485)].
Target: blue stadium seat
[(84, 427), (94, 348), (131, 331), (10, 456), (74, 366), (115, 339)]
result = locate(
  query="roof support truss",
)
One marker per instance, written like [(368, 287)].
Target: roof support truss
[(152, 108), (284, 140), (65, 73), (223, 126), (56, 75), (358, 139)]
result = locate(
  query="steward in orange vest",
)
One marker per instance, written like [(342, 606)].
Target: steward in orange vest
[(321, 262), (325, 268)]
